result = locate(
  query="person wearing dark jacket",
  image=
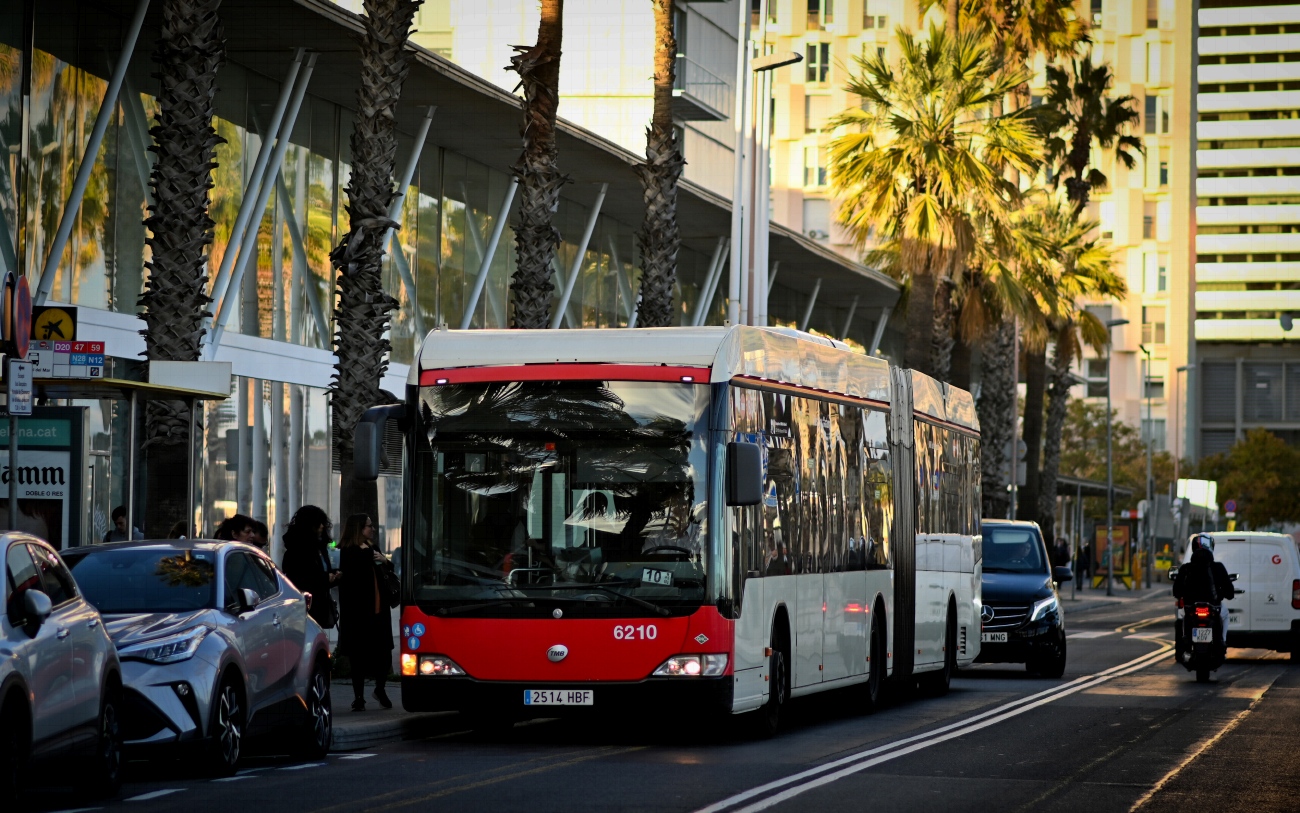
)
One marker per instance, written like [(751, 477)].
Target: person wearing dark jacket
[(306, 561), (1203, 579), (365, 620)]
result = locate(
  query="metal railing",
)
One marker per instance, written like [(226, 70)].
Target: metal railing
[(707, 87)]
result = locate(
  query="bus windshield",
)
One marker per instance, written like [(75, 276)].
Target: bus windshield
[(586, 497)]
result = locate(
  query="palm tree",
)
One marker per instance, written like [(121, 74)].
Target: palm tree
[(1079, 111), (538, 172), (659, 239), (364, 308), (923, 152), (190, 51)]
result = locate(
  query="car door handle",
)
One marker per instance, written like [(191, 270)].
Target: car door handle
[(92, 623), (61, 633), (275, 619)]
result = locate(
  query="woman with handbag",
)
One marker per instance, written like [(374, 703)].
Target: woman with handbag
[(306, 562), (365, 624)]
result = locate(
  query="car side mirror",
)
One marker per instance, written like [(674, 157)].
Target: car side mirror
[(248, 599), (1062, 573), (744, 474), (37, 607)]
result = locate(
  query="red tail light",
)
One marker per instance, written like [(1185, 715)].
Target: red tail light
[(1295, 594), (1202, 612)]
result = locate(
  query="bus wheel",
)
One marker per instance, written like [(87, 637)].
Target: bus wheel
[(768, 718), (937, 683), (876, 666)]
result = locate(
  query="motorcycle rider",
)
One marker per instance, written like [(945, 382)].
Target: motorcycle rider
[(1204, 579)]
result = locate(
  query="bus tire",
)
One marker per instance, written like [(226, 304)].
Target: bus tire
[(872, 694), (936, 684), (768, 718)]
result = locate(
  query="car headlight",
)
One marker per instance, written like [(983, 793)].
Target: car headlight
[(692, 666), (1043, 607), (172, 649)]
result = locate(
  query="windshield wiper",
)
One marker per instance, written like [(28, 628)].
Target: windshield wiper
[(484, 605), (640, 602)]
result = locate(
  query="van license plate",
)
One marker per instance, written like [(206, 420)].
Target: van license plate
[(559, 697), (993, 637), (1202, 635)]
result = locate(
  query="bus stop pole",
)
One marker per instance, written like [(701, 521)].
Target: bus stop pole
[(13, 466), (130, 467)]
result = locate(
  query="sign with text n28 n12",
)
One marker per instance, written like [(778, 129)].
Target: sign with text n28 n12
[(18, 386)]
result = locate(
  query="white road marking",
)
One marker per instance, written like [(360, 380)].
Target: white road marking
[(247, 771), (302, 767), (78, 810), (233, 778), (1091, 634), (144, 797), (357, 756), (825, 774)]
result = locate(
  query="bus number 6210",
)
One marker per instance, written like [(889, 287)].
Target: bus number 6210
[(630, 632)]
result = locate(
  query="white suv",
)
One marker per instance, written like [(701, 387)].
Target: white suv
[(1267, 613), (60, 683)]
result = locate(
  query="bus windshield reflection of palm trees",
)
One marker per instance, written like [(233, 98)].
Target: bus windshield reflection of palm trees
[(547, 487)]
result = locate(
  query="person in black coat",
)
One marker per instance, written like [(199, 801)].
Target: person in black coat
[(306, 561), (365, 620)]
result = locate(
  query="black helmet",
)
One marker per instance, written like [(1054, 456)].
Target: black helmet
[(1203, 542)]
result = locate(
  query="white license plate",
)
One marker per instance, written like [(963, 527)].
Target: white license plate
[(1202, 635), (559, 697), (993, 637), (663, 578)]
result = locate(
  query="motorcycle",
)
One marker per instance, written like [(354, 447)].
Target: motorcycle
[(1198, 635)]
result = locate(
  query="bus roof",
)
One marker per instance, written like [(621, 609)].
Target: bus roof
[(775, 354)]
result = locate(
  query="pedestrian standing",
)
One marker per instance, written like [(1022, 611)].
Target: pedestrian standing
[(306, 562), (260, 536), (1062, 553), (236, 528), (365, 618)]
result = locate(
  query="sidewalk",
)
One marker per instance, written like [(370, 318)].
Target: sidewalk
[(354, 730)]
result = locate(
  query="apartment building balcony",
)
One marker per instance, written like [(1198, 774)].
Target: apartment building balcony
[(1247, 272), (1257, 15), (1247, 215), (1254, 44), (1248, 72), (1249, 100), (1247, 243), (1248, 158), (1240, 330), (699, 94), (1245, 187), (1244, 301), (1257, 129)]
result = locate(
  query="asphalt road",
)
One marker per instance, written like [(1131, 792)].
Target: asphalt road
[(1124, 729)]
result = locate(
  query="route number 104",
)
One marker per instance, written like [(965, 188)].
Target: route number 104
[(638, 632)]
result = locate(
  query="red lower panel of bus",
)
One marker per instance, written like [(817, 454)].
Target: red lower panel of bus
[(513, 649)]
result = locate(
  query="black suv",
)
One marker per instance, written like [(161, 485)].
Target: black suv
[(1022, 620)]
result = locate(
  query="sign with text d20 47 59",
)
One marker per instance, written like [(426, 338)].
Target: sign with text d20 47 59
[(18, 386)]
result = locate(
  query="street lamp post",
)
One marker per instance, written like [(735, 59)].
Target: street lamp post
[(1178, 451), (1110, 466), (1148, 525)]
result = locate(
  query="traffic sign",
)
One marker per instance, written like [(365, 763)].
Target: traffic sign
[(18, 386), (1230, 506)]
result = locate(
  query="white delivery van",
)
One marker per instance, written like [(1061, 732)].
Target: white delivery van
[(1267, 614)]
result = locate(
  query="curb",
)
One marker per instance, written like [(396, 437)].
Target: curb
[(354, 731)]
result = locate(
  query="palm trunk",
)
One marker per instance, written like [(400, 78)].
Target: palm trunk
[(952, 14), (659, 238), (190, 51), (1058, 399), (918, 353), (1035, 387), (997, 427), (364, 309), (941, 341), (538, 171), (959, 373)]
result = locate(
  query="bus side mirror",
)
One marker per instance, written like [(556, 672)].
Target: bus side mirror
[(366, 451), (744, 474)]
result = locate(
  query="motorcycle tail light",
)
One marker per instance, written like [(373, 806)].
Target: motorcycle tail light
[(1202, 612), (1295, 594)]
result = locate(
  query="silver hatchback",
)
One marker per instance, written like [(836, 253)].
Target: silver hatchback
[(215, 644), (60, 681)]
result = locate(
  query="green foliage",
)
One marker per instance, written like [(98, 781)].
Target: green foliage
[(1262, 473), (1083, 454)]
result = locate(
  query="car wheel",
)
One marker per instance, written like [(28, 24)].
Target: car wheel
[(1053, 665), (319, 734), (104, 778), (227, 733), (14, 747)]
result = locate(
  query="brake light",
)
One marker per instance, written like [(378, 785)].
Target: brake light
[(1295, 594), (1202, 612)]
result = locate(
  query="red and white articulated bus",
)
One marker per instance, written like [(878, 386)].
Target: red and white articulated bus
[(678, 521)]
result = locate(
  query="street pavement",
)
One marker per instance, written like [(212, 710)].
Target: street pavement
[(1124, 729)]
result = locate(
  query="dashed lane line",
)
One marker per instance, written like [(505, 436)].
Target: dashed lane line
[(155, 794)]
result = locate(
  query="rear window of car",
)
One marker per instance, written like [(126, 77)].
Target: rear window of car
[(131, 581)]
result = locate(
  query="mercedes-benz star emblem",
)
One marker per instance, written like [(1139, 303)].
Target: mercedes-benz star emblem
[(557, 653), (986, 614)]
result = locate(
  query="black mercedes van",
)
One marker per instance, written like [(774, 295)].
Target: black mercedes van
[(1022, 619)]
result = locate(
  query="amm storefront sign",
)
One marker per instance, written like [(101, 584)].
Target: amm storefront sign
[(51, 475)]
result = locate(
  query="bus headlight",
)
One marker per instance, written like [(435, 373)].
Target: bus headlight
[(692, 666), (439, 666)]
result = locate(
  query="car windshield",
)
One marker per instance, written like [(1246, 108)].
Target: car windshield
[(1012, 550), (528, 495), (130, 581)]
